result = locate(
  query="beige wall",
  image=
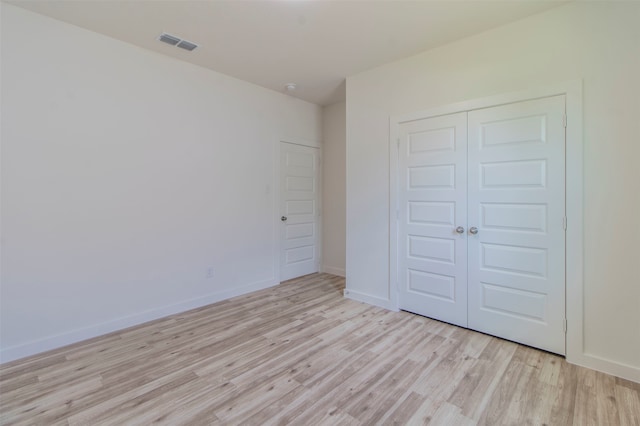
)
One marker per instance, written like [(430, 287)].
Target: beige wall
[(334, 188), (593, 41), (126, 175)]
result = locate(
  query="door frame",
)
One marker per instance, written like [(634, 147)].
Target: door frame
[(277, 198), (574, 262)]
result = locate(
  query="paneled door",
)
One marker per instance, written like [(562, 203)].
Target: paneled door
[(517, 214), (299, 209), (481, 220), (432, 201)]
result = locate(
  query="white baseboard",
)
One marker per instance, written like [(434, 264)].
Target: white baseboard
[(74, 336), (371, 300), (334, 271), (594, 362)]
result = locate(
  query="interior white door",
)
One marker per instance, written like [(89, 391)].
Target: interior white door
[(432, 202), (498, 175), (516, 198), (299, 208)]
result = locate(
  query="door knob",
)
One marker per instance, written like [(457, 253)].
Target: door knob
[(459, 229), (283, 218), (473, 230)]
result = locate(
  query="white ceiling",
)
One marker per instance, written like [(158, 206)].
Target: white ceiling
[(315, 44)]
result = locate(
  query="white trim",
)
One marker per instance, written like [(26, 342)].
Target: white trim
[(57, 341), (608, 366), (275, 190), (334, 271), (370, 300), (394, 135), (573, 87), (575, 350), (313, 143), (319, 217), (574, 263)]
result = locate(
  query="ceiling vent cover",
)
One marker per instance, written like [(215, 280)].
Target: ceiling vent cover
[(187, 45), (177, 41)]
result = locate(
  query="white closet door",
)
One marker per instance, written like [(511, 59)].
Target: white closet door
[(516, 202), (432, 256)]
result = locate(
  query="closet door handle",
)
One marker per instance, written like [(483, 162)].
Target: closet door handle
[(460, 230), (473, 230)]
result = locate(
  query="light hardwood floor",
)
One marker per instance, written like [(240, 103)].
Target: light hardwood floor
[(300, 353)]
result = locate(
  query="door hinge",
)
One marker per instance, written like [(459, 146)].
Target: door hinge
[(564, 325), (397, 214), (564, 120), (564, 223)]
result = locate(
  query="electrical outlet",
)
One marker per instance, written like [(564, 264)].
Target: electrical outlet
[(210, 272)]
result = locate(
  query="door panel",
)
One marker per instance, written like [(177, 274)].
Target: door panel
[(500, 171), (432, 258), (299, 172), (516, 200)]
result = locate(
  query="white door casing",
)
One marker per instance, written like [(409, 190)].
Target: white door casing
[(516, 190), (299, 210), (432, 155), (516, 197)]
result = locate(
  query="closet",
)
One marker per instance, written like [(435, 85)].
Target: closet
[(481, 220)]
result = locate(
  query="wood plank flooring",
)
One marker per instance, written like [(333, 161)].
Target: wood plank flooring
[(301, 354)]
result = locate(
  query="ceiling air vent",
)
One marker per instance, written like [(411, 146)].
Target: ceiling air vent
[(187, 45), (177, 41)]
